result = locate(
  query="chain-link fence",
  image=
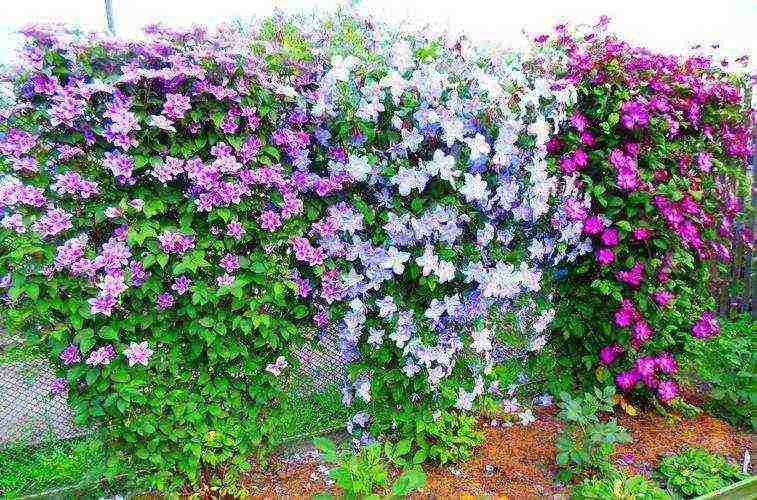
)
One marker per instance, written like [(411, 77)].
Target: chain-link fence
[(43, 452)]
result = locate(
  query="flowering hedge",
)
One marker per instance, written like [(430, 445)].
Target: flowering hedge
[(451, 223), (660, 144), (181, 213), (140, 240)]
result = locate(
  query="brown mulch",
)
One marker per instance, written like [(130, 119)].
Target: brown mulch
[(656, 436), (518, 461)]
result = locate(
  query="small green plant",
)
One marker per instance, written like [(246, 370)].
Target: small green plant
[(366, 471), (695, 471), (617, 486), (725, 365), (586, 442)]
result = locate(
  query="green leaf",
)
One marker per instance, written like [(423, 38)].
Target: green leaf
[(325, 446), (300, 311), (409, 481), (108, 333), (402, 448), (162, 259)]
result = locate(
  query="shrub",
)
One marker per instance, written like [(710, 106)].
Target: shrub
[(659, 144), (618, 486), (366, 471), (180, 213), (136, 241), (586, 442), (448, 240), (725, 367), (694, 472)]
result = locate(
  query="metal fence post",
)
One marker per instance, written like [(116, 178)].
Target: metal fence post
[(109, 17)]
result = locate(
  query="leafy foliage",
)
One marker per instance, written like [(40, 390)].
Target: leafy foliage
[(618, 486), (586, 442), (365, 472), (51, 465), (726, 366), (695, 471), (181, 214)]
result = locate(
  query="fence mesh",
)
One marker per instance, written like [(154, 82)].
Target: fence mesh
[(43, 452)]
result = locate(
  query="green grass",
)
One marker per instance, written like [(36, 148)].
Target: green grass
[(20, 352), (76, 462)]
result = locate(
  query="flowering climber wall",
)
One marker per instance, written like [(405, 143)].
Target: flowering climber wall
[(183, 213), (661, 144)]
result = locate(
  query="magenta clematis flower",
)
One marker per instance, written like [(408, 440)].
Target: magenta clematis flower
[(633, 114), (666, 363), (568, 165), (579, 121), (667, 390), (626, 314), (609, 353), (634, 275), (706, 326), (641, 332), (610, 237), (663, 297), (594, 224), (627, 380), (587, 138), (645, 366), (580, 158), (605, 256)]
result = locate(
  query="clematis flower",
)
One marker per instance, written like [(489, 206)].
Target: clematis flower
[(138, 353), (593, 224), (667, 390), (666, 363), (605, 256), (706, 326), (610, 237), (663, 297), (58, 386), (609, 353), (395, 260), (165, 300), (640, 233), (633, 114), (70, 355), (276, 367), (627, 380)]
